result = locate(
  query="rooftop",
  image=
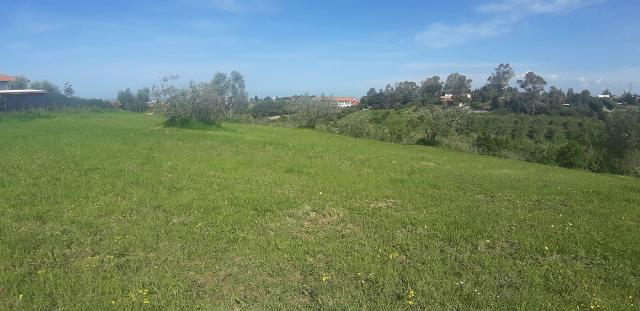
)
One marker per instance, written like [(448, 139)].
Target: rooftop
[(17, 92), (5, 78)]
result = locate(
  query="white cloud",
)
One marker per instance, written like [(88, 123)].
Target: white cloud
[(534, 6), (440, 35)]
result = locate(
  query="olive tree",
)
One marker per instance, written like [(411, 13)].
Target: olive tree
[(428, 123), (209, 102), (311, 110)]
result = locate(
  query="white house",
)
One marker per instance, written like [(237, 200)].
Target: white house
[(447, 97)]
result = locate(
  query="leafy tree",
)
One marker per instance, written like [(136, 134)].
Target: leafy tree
[(68, 89), (532, 83), (46, 86), (310, 110), (556, 98), (207, 102), (622, 141), (628, 99), (268, 108), (19, 83), (433, 121), (143, 96), (457, 84), (126, 99), (499, 80), (404, 93), (238, 99), (486, 94), (431, 87), (572, 155), (165, 90)]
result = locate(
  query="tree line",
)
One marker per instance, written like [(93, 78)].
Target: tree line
[(210, 102), (529, 97)]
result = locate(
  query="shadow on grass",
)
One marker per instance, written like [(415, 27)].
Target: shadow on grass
[(28, 115), (189, 124)]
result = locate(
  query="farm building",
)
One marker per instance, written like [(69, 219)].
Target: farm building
[(11, 100), (344, 102), (4, 81)]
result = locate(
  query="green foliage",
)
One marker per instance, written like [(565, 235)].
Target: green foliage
[(457, 84), (131, 102), (574, 142), (45, 85), (499, 80), (495, 95), (101, 211), (191, 124), (491, 144), (310, 111), (269, 108), (532, 83), (431, 122), (572, 155), (68, 89), (206, 102), (622, 140), (20, 83)]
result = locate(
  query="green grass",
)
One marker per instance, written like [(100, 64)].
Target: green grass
[(99, 207)]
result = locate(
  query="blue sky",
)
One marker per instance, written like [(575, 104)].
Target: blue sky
[(339, 47)]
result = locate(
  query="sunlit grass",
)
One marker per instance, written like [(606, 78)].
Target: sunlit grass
[(116, 211)]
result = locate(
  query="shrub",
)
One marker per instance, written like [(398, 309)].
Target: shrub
[(186, 123), (490, 144), (571, 155)]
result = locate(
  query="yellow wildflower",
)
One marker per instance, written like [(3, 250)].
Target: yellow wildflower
[(146, 301), (326, 277), (412, 293)]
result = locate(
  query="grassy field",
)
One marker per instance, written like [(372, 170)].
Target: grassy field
[(112, 211)]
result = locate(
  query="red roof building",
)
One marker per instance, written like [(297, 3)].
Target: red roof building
[(344, 102), (5, 80)]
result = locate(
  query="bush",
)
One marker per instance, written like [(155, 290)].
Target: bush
[(572, 155), (192, 124), (490, 144)]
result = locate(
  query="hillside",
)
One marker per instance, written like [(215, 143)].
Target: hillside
[(110, 210)]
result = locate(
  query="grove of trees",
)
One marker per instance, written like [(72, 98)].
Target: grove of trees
[(529, 97), (208, 102)]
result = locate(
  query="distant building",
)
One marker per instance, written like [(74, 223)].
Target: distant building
[(344, 102), (603, 96), (5, 80), (447, 97), (11, 100)]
